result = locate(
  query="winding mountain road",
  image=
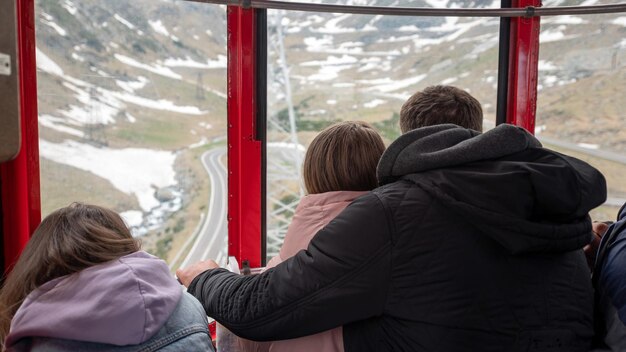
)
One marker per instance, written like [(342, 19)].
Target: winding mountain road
[(212, 240)]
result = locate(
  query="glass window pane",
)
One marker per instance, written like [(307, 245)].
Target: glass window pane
[(324, 68), (582, 74), (131, 98)]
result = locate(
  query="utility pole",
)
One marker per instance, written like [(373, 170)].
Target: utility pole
[(95, 129), (200, 87), (284, 152)]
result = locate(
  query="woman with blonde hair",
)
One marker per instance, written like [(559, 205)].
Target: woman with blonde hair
[(339, 166), (82, 284)]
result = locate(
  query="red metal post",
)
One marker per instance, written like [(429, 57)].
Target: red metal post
[(523, 68), (21, 203), (244, 150)]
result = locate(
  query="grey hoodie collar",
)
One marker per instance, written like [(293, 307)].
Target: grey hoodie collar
[(448, 145)]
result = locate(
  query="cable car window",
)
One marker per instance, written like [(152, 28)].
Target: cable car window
[(582, 73), (324, 68), (132, 115)]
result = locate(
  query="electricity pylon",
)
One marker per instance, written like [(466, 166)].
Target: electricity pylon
[(284, 151)]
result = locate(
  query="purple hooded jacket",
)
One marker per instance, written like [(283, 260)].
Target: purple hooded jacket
[(122, 302)]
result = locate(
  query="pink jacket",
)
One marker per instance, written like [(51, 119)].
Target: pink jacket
[(312, 214)]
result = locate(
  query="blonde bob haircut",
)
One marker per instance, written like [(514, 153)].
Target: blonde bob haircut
[(343, 157)]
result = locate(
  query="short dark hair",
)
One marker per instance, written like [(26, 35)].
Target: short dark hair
[(436, 105), (343, 157)]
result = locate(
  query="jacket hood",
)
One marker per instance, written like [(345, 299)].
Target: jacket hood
[(327, 199), (525, 197), (313, 213), (122, 302)]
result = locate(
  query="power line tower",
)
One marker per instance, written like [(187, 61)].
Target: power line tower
[(95, 128), (284, 151), (200, 87)]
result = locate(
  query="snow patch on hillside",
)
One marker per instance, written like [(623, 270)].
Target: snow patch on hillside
[(101, 106), (123, 21), (160, 104), (158, 69), (411, 28), (203, 141), (134, 171), (374, 63), (46, 64), (132, 86), (70, 7), (58, 124), (621, 21), (97, 108), (546, 66), (132, 218), (386, 85), (328, 73), (49, 21), (92, 113), (437, 3), (332, 60), (374, 103), (551, 35), (190, 63), (332, 26), (158, 27), (553, 2), (317, 44), (78, 57), (567, 19), (487, 43), (454, 29), (330, 68)]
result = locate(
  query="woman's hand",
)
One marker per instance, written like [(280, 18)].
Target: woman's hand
[(186, 275)]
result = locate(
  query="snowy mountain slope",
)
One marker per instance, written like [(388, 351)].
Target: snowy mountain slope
[(145, 80), (385, 59), (125, 92)]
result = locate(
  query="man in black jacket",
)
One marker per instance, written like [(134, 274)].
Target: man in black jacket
[(472, 243)]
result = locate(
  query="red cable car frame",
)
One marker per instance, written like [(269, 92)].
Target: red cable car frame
[(246, 31)]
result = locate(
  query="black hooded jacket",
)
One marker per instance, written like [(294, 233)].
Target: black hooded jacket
[(472, 243)]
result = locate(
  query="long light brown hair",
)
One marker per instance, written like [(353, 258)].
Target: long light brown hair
[(343, 157), (67, 241)]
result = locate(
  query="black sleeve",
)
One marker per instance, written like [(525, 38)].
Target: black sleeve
[(343, 276)]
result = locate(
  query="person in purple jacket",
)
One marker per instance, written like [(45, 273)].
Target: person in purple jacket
[(82, 284)]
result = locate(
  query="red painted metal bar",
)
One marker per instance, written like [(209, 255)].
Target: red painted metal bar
[(21, 204), (244, 150), (523, 68)]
